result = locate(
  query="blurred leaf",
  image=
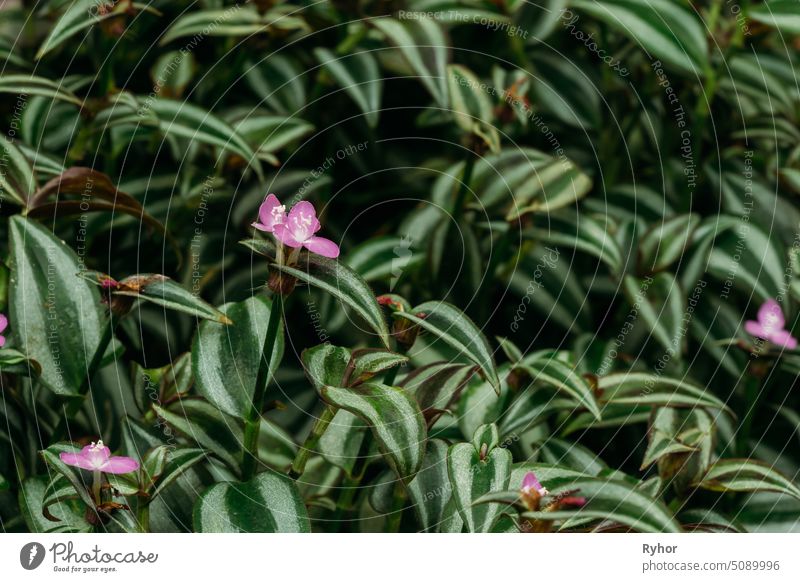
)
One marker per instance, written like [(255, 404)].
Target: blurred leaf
[(424, 46), (31, 85), (358, 74), (664, 29), (781, 14), (747, 475)]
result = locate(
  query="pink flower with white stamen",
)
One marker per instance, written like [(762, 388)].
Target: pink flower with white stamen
[(270, 213), (770, 326), (97, 457), (297, 228)]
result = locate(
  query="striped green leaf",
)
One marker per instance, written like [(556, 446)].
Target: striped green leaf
[(747, 475), (268, 503), (449, 324), (359, 76), (394, 418), (474, 473)]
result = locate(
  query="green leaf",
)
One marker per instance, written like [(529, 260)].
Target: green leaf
[(17, 180), (781, 14), (586, 234), (471, 106), (194, 123), (472, 477), (268, 503), (423, 45), (71, 514), (387, 258), (394, 418), (612, 499), (664, 244), (367, 362), (208, 426), (335, 278), (451, 325), (747, 475), (660, 303), (638, 388), (548, 370), (358, 74), (164, 291), (55, 316), (80, 15), (326, 365), (664, 29), (31, 85), (226, 358), (72, 475), (177, 463), (437, 385), (234, 21), (430, 490)]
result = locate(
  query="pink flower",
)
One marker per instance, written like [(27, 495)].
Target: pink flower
[(97, 457), (270, 213), (770, 326), (3, 326), (531, 484), (298, 228)]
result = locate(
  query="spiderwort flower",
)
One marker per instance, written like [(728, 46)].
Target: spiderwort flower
[(297, 228), (270, 213), (770, 326), (530, 484), (97, 457), (3, 326)]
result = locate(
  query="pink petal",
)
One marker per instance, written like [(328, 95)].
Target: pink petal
[(76, 460), (2, 340), (754, 328), (770, 315), (118, 465), (322, 246), (303, 221), (784, 339), (269, 214), (96, 455), (285, 235), (3, 322), (531, 482)]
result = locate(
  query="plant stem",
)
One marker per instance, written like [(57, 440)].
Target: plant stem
[(253, 421), (143, 516), (396, 513), (97, 482), (466, 178), (71, 409), (311, 442)]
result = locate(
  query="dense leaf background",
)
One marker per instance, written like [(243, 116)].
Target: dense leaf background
[(555, 218)]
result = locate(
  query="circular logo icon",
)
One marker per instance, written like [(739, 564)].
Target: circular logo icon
[(31, 555)]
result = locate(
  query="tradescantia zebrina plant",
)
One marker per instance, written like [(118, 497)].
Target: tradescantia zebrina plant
[(421, 266)]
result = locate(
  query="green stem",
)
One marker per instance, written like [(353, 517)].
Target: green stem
[(754, 393), (72, 408), (143, 515), (311, 442), (466, 178), (396, 513), (97, 483), (253, 421)]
